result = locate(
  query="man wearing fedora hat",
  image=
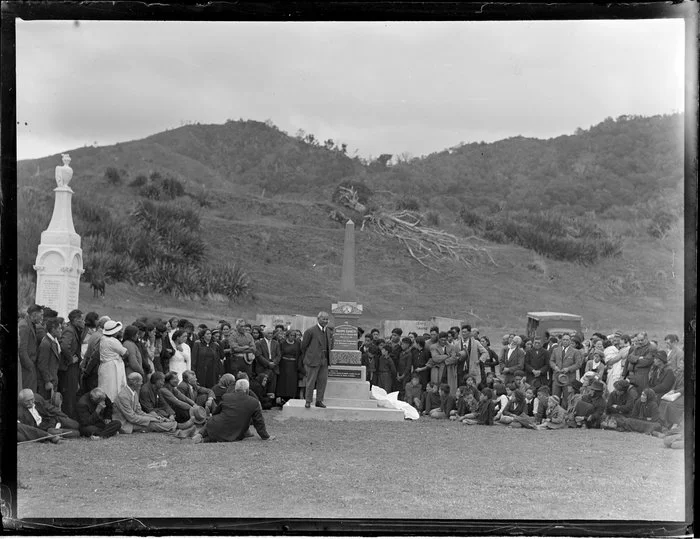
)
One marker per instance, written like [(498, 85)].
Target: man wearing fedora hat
[(621, 400), (591, 407), (661, 376), (566, 363)]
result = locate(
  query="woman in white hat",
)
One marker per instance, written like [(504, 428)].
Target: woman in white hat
[(111, 374)]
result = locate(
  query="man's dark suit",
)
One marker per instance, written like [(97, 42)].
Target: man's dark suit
[(47, 366), (50, 415), (93, 422), (537, 359), (28, 347), (231, 424), (69, 369), (315, 348), (267, 361)]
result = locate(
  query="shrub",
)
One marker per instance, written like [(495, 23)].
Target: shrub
[(470, 217), (408, 203), (432, 218), (150, 191), (661, 223), (172, 188), (139, 181), (112, 176)]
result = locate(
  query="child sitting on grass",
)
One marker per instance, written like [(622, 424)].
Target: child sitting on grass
[(514, 408), (555, 416), (447, 403), (465, 403), (487, 382), (501, 400), (485, 410), (414, 392), (431, 399), (527, 418)]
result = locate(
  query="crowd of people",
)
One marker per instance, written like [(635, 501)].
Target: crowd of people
[(92, 376)]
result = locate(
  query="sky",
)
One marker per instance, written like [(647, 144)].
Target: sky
[(409, 88)]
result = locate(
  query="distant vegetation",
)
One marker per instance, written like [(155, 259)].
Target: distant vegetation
[(140, 204)]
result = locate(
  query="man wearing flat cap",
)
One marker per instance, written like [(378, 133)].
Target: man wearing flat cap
[(621, 400)]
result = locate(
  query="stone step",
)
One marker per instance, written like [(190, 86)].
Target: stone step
[(342, 389), (295, 408), (350, 403)]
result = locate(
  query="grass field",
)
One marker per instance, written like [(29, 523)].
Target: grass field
[(411, 470)]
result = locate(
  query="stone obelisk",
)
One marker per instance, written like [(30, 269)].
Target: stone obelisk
[(59, 260), (346, 359), (347, 391)]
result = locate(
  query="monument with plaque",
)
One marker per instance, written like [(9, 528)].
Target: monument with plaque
[(347, 391), (59, 260)]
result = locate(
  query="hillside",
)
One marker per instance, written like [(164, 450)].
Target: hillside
[(268, 198)]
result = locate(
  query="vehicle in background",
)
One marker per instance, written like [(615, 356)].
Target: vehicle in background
[(540, 323)]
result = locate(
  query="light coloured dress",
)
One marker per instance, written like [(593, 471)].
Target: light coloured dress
[(111, 376), (615, 372), (181, 361)]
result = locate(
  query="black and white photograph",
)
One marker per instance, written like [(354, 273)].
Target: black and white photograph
[(291, 271)]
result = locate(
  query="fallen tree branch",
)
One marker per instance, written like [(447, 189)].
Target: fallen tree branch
[(428, 246)]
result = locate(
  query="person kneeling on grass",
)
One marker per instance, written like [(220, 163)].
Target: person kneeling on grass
[(447, 403), (554, 417), (95, 415), (431, 399), (413, 392), (485, 410), (238, 410)]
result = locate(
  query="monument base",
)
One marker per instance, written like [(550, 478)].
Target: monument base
[(337, 410)]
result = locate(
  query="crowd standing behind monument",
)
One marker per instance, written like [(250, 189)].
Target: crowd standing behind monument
[(91, 376)]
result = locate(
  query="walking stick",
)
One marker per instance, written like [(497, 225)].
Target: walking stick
[(42, 438)]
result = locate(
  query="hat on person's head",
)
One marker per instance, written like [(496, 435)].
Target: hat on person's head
[(563, 378), (215, 332), (622, 384), (660, 354), (597, 385), (111, 328), (102, 320), (555, 398), (576, 384), (198, 415)]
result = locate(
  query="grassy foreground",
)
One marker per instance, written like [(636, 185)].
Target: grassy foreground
[(414, 470)]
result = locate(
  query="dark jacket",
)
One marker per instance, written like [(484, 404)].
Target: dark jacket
[(237, 411), (646, 411), (152, 401), (624, 401), (316, 346), (70, 346), (536, 359), (50, 414), (28, 348), (638, 365), (47, 365), (206, 362), (87, 414), (661, 380)]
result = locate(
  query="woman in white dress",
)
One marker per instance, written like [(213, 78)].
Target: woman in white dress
[(181, 360), (616, 363), (111, 376)]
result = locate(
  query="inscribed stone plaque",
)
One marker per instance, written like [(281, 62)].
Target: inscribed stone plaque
[(51, 292), (346, 357), (345, 337), (339, 372), (72, 293)]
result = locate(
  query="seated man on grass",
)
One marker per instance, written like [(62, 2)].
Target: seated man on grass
[(37, 418), (132, 417), (175, 398), (238, 410), (95, 415), (191, 389)]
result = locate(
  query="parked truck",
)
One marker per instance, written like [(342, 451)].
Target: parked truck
[(541, 322)]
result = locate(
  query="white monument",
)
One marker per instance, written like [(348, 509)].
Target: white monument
[(59, 260)]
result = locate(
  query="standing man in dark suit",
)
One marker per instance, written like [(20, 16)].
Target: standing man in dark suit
[(49, 359), (267, 360), (69, 368), (28, 345), (567, 364), (537, 364), (315, 349)]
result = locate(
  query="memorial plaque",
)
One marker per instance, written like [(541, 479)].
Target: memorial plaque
[(72, 293), (346, 357), (51, 293), (345, 337), (339, 372)]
